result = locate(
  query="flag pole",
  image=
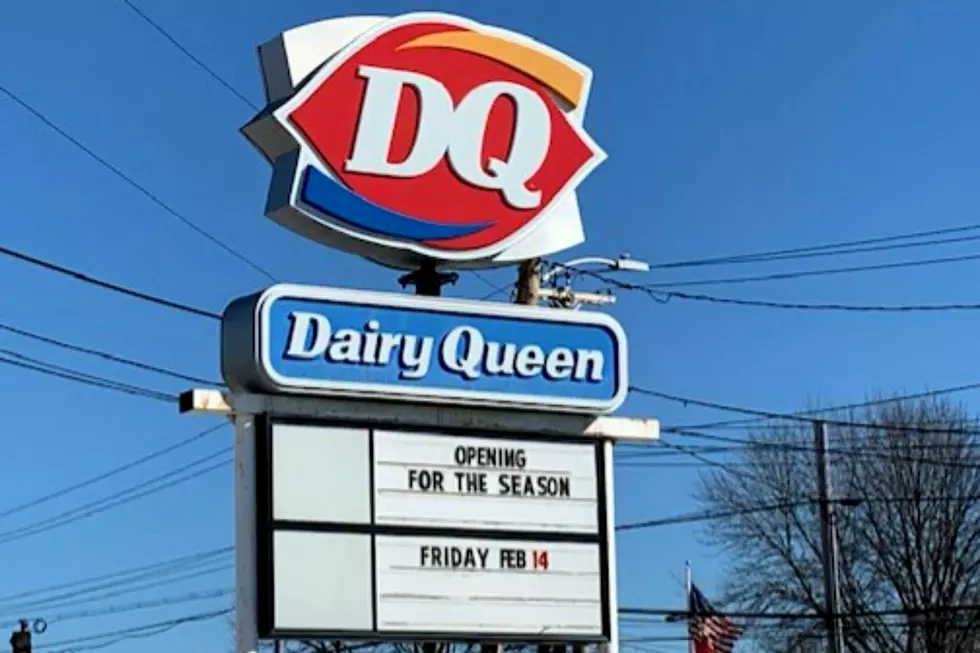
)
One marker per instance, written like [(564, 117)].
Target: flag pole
[(688, 584)]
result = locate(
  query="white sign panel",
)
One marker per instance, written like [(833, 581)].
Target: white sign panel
[(321, 474), (308, 568), (485, 483), (441, 584)]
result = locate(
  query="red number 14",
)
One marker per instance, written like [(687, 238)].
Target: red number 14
[(540, 559)]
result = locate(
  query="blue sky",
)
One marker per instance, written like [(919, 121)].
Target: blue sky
[(731, 126)]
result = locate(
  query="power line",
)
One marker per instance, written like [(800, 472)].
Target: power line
[(940, 609), (80, 276), (105, 355), (72, 599), (828, 249), (793, 417), (782, 276), (87, 379), (117, 499), (664, 296), (845, 407), (651, 622), (691, 452), (192, 597), (691, 518), (642, 458), (703, 516), (888, 454), (675, 464), (133, 183), (497, 291), (135, 632), (78, 375), (200, 64), (140, 572), (115, 471), (851, 308)]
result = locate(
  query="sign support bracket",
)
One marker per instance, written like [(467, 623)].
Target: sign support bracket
[(617, 429), (428, 280)]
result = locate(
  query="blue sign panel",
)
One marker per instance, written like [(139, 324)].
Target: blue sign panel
[(327, 341)]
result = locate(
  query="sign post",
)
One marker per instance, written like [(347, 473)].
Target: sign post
[(417, 468), (343, 532), (422, 469)]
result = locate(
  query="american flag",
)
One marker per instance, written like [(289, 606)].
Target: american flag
[(709, 631)]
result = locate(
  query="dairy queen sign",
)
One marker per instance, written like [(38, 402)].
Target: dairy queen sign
[(425, 136), (408, 467)]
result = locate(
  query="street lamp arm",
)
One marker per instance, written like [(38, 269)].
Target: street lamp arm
[(622, 263)]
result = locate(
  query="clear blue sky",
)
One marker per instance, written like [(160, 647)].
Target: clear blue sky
[(731, 126)]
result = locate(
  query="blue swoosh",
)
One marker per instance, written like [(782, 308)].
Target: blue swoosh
[(326, 195)]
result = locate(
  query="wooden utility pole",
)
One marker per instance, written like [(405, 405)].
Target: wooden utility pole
[(528, 292), (529, 281)]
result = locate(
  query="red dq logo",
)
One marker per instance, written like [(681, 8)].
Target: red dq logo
[(436, 135)]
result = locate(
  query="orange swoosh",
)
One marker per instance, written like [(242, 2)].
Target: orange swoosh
[(564, 80)]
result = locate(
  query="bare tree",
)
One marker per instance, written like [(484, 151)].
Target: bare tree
[(393, 647), (909, 533)]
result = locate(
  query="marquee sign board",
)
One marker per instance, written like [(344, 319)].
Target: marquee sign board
[(423, 566), (425, 137), (334, 342), (485, 483)]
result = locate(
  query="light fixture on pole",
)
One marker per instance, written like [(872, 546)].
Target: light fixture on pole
[(562, 295)]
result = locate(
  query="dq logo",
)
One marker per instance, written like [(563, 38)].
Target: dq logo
[(425, 136)]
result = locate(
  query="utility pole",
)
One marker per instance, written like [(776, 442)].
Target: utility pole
[(529, 281), (20, 640), (528, 292), (828, 540)]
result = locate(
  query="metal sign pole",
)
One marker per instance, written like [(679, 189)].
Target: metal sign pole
[(246, 561)]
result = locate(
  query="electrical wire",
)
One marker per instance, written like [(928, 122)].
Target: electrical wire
[(497, 291), (16, 359), (656, 453), (85, 278), (200, 64), (135, 632), (905, 612), (845, 407), (676, 464), (800, 274), (703, 516), (887, 454), (133, 183), (105, 355), (800, 306), (851, 247), (117, 499), (795, 417), (118, 578), (115, 471), (82, 596), (664, 296), (166, 601), (697, 517)]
